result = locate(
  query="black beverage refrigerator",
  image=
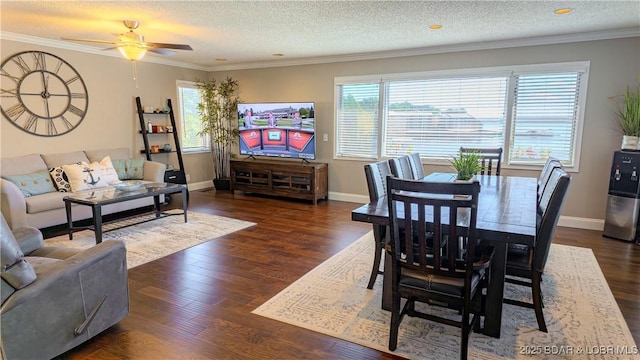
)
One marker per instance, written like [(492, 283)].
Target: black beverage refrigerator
[(623, 201)]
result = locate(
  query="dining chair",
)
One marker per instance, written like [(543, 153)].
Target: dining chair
[(545, 173), (490, 158), (400, 167), (525, 266), (418, 274), (416, 166), (376, 174)]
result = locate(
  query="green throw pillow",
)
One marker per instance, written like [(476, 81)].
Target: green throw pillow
[(32, 184), (129, 169)]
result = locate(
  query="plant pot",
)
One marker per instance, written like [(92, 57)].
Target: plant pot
[(630, 142), (222, 184)]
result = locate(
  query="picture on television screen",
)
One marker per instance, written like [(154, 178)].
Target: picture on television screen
[(285, 130)]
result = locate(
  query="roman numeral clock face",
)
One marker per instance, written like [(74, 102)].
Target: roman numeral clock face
[(42, 94)]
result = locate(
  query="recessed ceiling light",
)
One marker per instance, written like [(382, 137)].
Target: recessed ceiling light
[(278, 54), (562, 11), (435, 27)]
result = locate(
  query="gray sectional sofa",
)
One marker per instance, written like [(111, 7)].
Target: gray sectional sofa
[(47, 209)]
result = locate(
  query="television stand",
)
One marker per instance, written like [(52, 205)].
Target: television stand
[(307, 181)]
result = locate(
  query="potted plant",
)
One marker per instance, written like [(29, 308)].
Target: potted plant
[(629, 119), (466, 165), (218, 114)]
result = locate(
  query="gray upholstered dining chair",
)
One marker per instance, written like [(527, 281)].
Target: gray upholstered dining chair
[(416, 166), (417, 274), (491, 159), (525, 265), (376, 174), (401, 167)]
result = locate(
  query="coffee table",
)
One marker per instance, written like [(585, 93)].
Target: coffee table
[(105, 196)]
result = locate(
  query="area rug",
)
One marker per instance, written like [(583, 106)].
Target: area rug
[(582, 316), (152, 240)]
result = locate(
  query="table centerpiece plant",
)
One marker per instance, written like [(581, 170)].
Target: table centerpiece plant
[(467, 165), (218, 111)]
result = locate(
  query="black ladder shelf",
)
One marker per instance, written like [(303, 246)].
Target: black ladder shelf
[(176, 176)]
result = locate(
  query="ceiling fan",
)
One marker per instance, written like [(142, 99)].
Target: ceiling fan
[(132, 45)]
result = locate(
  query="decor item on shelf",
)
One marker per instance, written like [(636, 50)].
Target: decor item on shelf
[(169, 128), (219, 121), (466, 165), (628, 114), (155, 149), (167, 147), (149, 126)]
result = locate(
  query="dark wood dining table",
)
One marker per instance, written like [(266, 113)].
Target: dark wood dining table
[(506, 214)]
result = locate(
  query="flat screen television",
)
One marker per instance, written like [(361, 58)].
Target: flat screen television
[(283, 129)]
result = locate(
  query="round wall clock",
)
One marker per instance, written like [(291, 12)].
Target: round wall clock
[(42, 94)]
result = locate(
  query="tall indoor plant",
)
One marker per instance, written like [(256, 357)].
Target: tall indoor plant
[(628, 113), (218, 114)]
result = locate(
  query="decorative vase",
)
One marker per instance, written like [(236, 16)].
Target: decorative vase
[(630, 142)]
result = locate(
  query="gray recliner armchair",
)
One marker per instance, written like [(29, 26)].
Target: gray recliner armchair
[(55, 298)]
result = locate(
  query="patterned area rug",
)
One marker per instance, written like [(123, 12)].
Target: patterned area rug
[(582, 316), (155, 239)]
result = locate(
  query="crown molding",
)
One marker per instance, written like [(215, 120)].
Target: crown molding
[(67, 45), (488, 45)]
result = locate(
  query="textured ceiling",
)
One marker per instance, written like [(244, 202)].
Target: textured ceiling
[(248, 33)]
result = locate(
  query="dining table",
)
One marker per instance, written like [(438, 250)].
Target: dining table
[(506, 215)]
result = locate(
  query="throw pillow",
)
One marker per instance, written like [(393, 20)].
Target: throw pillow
[(130, 169), (32, 184), (109, 174), (84, 177), (60, 179)]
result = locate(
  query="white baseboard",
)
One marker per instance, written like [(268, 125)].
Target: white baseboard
[(566, 221), (581, 223), (200, 185)]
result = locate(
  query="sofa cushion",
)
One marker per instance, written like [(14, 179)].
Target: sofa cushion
[(129, 169), (15, 270), (98, 155), (60, 179), (35, 183), (44, 202), (84, 176), (22, 164), (75, 157)]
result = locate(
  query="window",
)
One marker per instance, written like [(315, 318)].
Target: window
[(188, 100), (531, 111)]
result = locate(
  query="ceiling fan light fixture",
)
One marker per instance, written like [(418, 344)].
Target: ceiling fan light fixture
[(132, 51)]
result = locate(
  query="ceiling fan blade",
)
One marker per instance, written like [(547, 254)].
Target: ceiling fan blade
[(169, 46), (91, 40), (162, 51)]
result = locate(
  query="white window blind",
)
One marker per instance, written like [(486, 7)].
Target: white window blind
[(545, 117), (436, 117), (357, 120), (531, 111)]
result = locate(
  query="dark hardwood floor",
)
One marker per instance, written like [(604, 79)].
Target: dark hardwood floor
[(196, 304)]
